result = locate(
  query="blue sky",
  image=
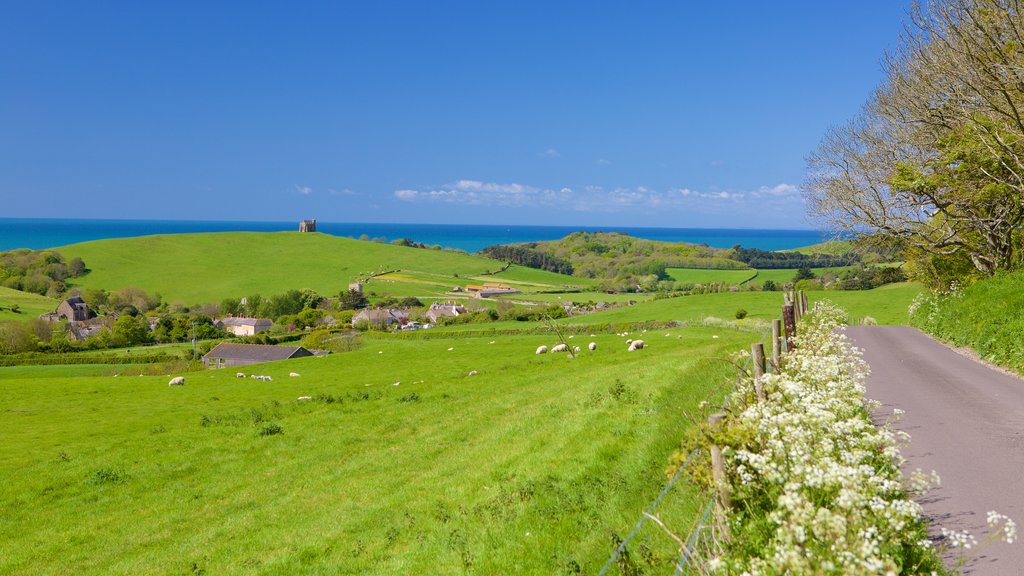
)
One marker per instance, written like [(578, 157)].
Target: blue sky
[(680, 114)]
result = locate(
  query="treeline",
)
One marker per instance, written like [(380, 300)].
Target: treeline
[(528, 257), (38, 271), (765, 260)]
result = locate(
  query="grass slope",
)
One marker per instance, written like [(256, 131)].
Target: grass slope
[(527, 467), (29, 305), (986, 316), (888, 305), (707, 276), (199, 268), (830, 248)]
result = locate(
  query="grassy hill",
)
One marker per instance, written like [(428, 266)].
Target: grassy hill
[(29, 305), (985, 316), (199, 268), (400, 465), (830, 248)]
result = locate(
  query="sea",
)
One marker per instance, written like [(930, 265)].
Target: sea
[(38, 233)]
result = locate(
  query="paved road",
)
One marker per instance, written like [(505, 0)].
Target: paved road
[(966, 422)]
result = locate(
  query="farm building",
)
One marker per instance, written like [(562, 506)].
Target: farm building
[(382, 317), (445, 310), (225, 355), (73, 309), (244, 326), (487, 290)]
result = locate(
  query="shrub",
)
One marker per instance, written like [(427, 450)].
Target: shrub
[(741, 314), (271, 429)]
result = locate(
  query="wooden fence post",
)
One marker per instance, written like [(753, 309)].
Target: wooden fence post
[(806, 303), (789, 325), (723, 492), (776, 344), (757, 355)]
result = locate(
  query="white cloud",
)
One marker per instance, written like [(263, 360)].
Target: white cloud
[(550, 153), (342, 192), (602, 162), (593, 198), (304, 190), (777, 190)]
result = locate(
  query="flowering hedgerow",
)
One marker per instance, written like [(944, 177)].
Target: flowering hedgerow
[(816, 486)]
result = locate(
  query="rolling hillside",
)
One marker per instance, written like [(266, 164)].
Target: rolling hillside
[(29, 305), (199, 268)]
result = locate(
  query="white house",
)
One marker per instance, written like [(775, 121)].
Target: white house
[(245, 326)]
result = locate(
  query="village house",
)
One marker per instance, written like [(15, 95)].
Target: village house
[(244, 326), (73, 309), (490, 289), (226, 355), (444, 310), (82, 321), (382, 317)]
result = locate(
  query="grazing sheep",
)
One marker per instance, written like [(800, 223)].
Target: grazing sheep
[(636, 345), (471, 373), (592, 346), (542, 350), (575, 348), (560, 348), (294, 374), (177, 381), (239, 375), (305, 398)]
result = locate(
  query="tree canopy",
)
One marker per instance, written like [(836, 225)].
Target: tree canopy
[(935, 161)]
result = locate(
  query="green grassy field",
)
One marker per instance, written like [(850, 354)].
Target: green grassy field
[(196, 268), (705, 276), (785, 275), (830, 248), (402, 465), (29, 305), (888, 305)]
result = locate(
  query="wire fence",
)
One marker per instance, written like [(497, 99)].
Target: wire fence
[(701, 540)]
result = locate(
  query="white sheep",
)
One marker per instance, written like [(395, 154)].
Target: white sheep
[(636, 345), (305, 398), (239, 375), (592, 346), (542, 350), (471, 373), (177, 381), (294, 374), (560, 348), (575, 348)]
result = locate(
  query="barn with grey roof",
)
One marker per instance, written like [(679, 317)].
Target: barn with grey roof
[(225, 355)]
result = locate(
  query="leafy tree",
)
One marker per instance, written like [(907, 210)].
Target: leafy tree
[(352, 300), (936, 159), (804, 274), (769, 286), (130, 331), (232, 306), (17, 337)]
